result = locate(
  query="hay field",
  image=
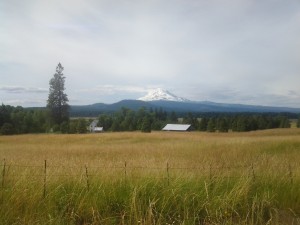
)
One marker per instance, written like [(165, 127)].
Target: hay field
[(156, 178)]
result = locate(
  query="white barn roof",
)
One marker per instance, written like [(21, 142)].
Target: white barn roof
[(176, 127), (98, 129)]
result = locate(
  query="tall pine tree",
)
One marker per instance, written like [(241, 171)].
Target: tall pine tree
[(57, 100)]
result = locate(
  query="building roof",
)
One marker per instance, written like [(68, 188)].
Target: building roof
[(98, 129), (176, 127), (94, 123)]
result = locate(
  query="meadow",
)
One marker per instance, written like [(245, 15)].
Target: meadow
[(155, 178)]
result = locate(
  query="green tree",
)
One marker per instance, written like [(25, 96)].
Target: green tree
[(140, 116), (115, 125), (284, 122), (203, 124), (7, 129), (262, 122), (241, 124), (81, 127), (173, 117), (190, 119), (64, 127), (157, 124), (105, 121), (298, 122), (222, 125), (28, 122), (146, 125), (72, 127), (57, 100), (17, 119), (5, 111), (129, 122), (211, 125)]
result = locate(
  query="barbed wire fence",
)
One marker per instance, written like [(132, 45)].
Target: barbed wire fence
[(84, 171)]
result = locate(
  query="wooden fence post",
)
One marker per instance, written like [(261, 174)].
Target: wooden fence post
[(45, 177), (125, 170), (290, 173), (87, 178), (210, 172), (168, 174), (252, 168), (210, 184), (3, 172)]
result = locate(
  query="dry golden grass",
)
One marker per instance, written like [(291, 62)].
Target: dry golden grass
[(192, 149), (213, 178)]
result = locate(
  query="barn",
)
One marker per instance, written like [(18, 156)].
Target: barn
[(177, 127), (93, 127)]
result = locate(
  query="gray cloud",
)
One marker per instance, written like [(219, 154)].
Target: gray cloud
[(244, 51), (26, 102), (21, 90)]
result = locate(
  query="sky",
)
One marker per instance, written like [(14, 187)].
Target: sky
[(228, 51)]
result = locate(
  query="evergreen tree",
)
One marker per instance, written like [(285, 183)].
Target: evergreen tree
[(284, 122), (241, 124), (261, 123), (105, 121), (146, 125), (81, 127), (64, 127), (222, 125), (7, 129), (211, 125), (173, 117), (203, 124), (57, 100), (4, 114), (190, 119), (72, 127)]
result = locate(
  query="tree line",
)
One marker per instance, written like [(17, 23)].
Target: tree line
[(19, 120), (147, 120), (130, 120), (239, 122)]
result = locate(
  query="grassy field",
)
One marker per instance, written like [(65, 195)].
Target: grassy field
[(156, 178)]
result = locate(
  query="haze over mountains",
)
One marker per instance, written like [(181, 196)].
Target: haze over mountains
[(160, 98)]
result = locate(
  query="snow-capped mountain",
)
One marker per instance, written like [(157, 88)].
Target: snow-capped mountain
[(161, 95)]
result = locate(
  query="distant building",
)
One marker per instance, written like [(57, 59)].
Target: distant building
[(93, 127), (177, 127)]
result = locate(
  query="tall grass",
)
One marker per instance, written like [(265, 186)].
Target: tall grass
[(169, 178)]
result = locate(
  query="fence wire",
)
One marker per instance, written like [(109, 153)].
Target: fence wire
[(9, 169)]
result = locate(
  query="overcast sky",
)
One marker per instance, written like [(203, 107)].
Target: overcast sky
[(230, 51)]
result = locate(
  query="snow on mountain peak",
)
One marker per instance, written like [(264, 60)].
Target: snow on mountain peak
[(161, 95)]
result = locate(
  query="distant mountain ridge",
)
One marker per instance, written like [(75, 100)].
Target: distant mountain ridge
[(164, 99), (182, 107)]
